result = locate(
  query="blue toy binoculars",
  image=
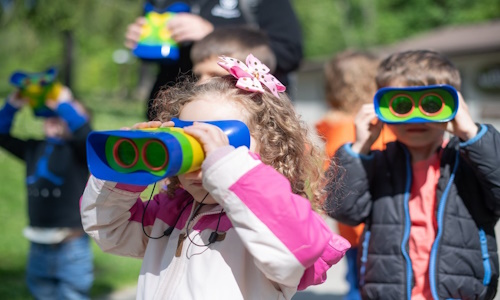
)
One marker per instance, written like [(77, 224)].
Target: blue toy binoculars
[(145, 156), (416, 104)]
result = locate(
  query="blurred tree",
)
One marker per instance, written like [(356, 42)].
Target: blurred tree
[(73, 35), (331, 26), (81, 36)]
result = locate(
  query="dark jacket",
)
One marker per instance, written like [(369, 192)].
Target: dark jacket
[(463, 260), (56, 170), (275, 17)]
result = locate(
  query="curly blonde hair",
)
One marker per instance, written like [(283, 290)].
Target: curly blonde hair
[(284, 141)]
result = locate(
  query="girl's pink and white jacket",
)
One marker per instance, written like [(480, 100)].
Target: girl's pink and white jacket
[(270, 241)]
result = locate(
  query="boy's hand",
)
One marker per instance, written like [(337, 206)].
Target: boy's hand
[(462, 125), (189, 27), (65, 95), (367, 129), (16, 100), (210, 136)]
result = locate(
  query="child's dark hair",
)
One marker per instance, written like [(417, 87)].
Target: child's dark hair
[(350, 80), (284, 141), (417, 68), (236, 42)]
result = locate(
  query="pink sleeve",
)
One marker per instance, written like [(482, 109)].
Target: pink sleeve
[(316, 274)]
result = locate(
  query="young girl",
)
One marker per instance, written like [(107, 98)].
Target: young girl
[(239, 228)]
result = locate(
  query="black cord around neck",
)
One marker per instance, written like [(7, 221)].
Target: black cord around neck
[(169, 230), (213, 236)]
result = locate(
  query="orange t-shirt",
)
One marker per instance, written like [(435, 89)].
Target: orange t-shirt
[(336, 131), (422, 207)]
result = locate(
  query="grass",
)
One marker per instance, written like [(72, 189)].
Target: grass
[(111, 272)]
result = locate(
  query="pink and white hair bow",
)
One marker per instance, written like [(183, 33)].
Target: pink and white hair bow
[(252, 75)]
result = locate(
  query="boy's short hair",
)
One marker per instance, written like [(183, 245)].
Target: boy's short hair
[(350, 80), (417, 68), (236, 42)]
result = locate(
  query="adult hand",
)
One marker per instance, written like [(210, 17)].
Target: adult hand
[(368, 128), (189, 27), (210, 136), (133, 33)]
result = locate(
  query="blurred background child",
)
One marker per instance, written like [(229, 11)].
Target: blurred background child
[(60, 259), (350, 83), (236, 42)]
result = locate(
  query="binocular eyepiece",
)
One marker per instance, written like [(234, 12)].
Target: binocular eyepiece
[(37, 88), (420, 104), (143, 157)]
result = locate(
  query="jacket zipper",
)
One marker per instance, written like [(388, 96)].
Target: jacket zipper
[(486, 257), (406, 235), (364, 258), (162, 293), (440, 215)]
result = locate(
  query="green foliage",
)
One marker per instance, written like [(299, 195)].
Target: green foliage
[(332, 26), (32, 40)]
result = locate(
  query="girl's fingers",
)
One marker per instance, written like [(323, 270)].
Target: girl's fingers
[(168, 124), (151, 124)]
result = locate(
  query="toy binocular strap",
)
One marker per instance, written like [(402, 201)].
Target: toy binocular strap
[(37, 88), (143, 157), (155, 42), (416, 104)]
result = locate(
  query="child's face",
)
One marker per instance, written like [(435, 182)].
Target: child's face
[(417, 136), (209, 108), (207, 69), (55, 127)]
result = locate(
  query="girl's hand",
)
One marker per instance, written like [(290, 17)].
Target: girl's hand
[(210, 136), (189, 27), (462, 125), (367, 129), (150, 124)]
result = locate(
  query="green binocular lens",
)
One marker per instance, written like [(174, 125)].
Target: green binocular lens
[(125, 153), (401, 105), (154, 154), (142, 153), (438, 103), (431, 104)]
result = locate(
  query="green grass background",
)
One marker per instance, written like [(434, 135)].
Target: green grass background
[(111, 272)]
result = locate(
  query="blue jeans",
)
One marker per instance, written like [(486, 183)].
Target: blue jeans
[(352, 275), (61, 271)]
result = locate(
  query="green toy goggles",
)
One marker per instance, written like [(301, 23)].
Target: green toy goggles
[(416, 104)]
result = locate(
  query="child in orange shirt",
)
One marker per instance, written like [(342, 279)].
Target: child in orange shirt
[(350, 83)]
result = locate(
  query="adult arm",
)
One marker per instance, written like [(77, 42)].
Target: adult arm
[(278, 19)]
